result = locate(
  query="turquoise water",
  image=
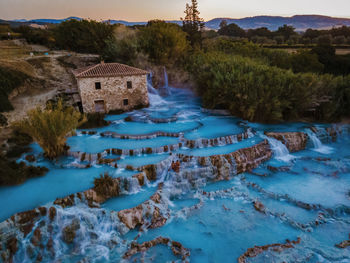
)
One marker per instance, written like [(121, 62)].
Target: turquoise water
[(216, 221), (96, 144), (210, 128), (225, 149)]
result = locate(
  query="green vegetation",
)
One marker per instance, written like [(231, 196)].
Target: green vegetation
[(193, 24), (232, 68), (13, 172), (50, 127), (246, 80), (37, 35), (287, 35), (16, 173), (86, 36), (18, 144), (9, 80), (163, 42)]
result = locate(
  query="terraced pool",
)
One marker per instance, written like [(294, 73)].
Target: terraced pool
[(204, 182)]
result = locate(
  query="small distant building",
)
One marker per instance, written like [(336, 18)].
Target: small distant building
[(107, 87)]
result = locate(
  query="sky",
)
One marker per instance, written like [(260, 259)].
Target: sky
[(144, 10)]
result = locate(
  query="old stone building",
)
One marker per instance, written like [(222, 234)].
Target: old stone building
[(111, 86)]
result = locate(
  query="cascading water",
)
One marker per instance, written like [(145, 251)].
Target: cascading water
[(154, 98), (317, 144), (199, 197), (279, 149), (166, 88)]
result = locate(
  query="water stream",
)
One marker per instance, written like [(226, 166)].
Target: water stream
[(215, 220)]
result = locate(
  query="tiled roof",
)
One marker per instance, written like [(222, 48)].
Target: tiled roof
[(108, 70)]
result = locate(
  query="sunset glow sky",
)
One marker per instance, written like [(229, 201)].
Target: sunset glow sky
[(143, 10)]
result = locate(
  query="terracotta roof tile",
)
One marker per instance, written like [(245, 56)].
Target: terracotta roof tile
[(108, 70)]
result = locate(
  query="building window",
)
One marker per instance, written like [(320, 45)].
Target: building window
[(97, 85), (129, 84), (125, 102)]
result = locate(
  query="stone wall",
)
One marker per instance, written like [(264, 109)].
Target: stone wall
[(113, 91)]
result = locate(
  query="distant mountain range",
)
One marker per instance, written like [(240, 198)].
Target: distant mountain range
[(300, 22)]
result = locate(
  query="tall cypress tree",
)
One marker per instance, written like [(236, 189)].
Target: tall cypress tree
[(193, 24)]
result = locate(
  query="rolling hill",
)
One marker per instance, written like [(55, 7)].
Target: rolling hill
[(300, 22)]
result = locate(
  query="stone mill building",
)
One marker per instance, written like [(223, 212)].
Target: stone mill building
[(107, 87)]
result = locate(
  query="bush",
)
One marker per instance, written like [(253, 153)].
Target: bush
[(83, 36), (50, 127), (105, 186), (36, 35), (9, 80), (18, 144), (16, 173), (256, 91)]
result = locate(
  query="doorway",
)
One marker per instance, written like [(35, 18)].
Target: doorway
[(100, 106)]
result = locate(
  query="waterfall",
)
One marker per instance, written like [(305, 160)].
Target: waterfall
[(166, 87), (150, 87), (279, 149), (153, 95), (317, 144)]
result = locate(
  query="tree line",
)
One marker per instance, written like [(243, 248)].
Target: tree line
[(253, 82), (287, 35)]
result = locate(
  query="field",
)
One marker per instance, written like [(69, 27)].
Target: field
[(343, 50)]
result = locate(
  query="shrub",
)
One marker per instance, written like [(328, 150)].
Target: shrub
[(9, 80), (105, 186), (19, 144), (256, 91), (16, 173), (50, 127), (83, 36)]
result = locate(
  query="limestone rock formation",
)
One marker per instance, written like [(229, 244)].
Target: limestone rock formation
[(294, 141), (176, 247), (149, 214), (254, 251)]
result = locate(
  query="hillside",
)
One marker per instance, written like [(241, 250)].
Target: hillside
[(300, 22)]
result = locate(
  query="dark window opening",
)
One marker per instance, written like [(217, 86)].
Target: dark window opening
[(129, 84), (126, 102), (97, 85)]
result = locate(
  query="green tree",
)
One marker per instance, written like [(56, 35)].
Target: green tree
[(232, 30), (286, 31), (193, 24), (260, 32), (164, 43), (123, 46), (87, 36), (50, 127)]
